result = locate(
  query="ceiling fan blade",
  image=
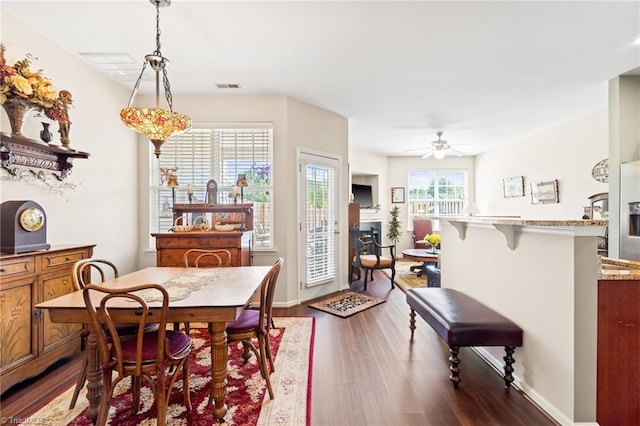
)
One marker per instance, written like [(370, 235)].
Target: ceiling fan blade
[(457, 153), (417, 149), (428, 154)]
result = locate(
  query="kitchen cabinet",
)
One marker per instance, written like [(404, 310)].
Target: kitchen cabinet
[(618, 372)]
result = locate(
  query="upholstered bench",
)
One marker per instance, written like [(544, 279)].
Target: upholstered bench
[(463, 321)]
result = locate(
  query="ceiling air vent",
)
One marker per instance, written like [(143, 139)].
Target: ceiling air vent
[(228, 86)]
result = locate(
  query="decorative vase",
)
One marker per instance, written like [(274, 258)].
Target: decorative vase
[(63, 129), (45, 134), (17, 109)]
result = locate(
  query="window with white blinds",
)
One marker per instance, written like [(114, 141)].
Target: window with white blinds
[(201, 154)]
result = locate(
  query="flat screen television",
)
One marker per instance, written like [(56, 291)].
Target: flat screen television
[(363, 195)]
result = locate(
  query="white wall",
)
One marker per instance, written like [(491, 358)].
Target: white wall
[(103, 208), (312, 129), (567, 153)]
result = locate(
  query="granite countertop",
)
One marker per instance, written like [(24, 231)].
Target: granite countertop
[(619, 269), (516, 220)]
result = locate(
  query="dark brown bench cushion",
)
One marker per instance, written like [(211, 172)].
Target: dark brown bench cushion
[(461, 320)]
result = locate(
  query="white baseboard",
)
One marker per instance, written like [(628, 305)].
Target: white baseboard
[(529, 393)]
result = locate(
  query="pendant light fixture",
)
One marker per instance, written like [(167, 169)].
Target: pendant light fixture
[(156, 123)]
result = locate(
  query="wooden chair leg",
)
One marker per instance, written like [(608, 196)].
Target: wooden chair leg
[(246, 351), (366, 274), (263, 365), (268, 349), (393, 277), (82, 378), (185, 385)]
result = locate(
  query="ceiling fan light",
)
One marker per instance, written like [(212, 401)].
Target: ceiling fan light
[(439, 154)]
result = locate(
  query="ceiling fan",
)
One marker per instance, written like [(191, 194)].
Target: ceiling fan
[(440, 148)]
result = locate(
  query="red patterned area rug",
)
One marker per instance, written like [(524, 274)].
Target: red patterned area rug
[(346, 304), (292, 346)]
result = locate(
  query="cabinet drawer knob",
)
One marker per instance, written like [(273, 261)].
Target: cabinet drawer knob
[(3, 270), (67, 258)]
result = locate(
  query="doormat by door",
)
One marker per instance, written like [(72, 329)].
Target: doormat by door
[(346, 304)]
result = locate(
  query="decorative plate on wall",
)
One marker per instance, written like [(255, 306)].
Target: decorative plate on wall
[(600, 171)]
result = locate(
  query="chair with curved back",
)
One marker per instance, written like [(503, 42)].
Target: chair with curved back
[(203, 258), (421, 228), (368, 255), (142, 356), (81, 276), (255, 323)]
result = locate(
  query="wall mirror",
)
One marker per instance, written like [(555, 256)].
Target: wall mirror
[(600, 206)]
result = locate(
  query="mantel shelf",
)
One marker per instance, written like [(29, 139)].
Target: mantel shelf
[(23, 152)]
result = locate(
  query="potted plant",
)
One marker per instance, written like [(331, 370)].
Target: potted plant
[(394, 225)]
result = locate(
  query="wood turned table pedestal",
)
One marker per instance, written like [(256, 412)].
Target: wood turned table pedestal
[(420, 255)]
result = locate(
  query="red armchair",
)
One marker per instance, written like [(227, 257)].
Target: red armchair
[(421, 227)]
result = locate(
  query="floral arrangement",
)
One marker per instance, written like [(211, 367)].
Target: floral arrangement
[(19, 82), (433, 239)]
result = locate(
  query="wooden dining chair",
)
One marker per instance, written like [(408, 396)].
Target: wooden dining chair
[(203, 258), (145, 356), (368, 255), (255, 323), (82, 274)]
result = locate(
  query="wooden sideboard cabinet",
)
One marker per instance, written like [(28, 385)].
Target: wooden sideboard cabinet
[(171, 246), (29, 341), (618, 377)]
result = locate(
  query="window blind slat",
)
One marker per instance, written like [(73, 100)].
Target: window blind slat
[(201, 154)]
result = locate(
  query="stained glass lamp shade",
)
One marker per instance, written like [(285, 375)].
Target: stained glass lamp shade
[(155, 123)]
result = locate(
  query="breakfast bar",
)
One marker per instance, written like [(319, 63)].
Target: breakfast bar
[(543, 275)]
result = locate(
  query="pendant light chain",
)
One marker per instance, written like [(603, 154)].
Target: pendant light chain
[(165, 77)]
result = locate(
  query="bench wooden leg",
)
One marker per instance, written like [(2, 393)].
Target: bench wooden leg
[(508, 368), (412, 321), (454, 361)]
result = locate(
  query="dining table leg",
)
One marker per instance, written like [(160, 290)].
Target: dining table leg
[(94, 377), (219, 359)]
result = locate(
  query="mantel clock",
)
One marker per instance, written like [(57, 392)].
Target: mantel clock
[(23, 226)]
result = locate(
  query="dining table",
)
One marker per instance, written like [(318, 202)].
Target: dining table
[(215, 296)]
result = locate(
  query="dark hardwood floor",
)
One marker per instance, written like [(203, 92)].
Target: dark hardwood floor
[(365, 372)]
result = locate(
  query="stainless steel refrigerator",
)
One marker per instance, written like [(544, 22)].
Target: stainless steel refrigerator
[(630, 211)]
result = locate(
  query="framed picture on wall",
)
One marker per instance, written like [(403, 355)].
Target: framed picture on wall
[(513, 186), (545, 192), (397, 194)]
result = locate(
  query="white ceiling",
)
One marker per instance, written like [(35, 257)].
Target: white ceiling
[(484, 73)]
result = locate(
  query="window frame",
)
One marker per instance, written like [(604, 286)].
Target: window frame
[(457, 203), (160, 203)]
